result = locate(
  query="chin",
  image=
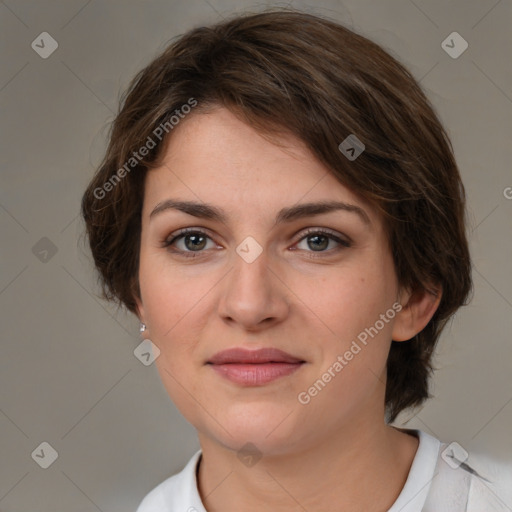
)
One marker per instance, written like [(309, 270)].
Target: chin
[(269, 427)]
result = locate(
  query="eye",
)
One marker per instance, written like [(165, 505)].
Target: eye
[(318, 240), (194, 241)]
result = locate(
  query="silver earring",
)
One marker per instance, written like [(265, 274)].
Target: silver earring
[(142, 327)]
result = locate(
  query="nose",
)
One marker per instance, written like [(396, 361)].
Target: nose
[(254, 295)]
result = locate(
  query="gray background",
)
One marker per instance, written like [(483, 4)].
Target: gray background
[(68, 375)]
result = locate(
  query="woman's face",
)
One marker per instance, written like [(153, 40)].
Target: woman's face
[(263, 277)]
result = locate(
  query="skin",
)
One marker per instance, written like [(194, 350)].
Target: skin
[(336, 452)]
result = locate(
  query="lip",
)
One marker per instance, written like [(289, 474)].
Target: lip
[(254, 367), (244, 356)]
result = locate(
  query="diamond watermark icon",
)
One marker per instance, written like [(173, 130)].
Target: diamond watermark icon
[(44, 45), (249, 249), (249, 454), (44, 250), (45, 455), (351, 147), (454, 45), (454, 455), (146, 352)]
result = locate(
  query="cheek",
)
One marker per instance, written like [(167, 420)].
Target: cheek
[(171, 298), (346, 301), (353, 339), (354, 345), (175, 325)]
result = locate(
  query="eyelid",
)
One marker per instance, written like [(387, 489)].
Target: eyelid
[(173, 237), (339, 238)]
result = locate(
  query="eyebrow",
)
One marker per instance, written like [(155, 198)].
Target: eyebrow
[(288, 214)]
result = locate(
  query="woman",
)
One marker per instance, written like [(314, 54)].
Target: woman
[(280, 207)]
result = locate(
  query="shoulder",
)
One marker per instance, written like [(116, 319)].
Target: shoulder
[(444, 477), (491, 484), (469, 482), (178, 492)]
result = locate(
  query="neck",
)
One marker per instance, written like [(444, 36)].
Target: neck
[(361, 468)]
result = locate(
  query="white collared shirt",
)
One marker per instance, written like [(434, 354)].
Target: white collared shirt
[(438, 481)]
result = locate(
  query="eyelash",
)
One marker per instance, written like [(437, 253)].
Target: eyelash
[(167, 243)]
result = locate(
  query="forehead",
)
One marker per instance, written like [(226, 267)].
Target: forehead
[(216, 158)]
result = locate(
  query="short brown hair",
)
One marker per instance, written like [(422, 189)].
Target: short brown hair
[(291, 72)]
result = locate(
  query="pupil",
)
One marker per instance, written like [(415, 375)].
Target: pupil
[(316, 237), (195, 244), (196, 241)]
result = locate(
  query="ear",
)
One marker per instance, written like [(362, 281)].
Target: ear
[(418, 308), (140, 310), (135, 290)]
